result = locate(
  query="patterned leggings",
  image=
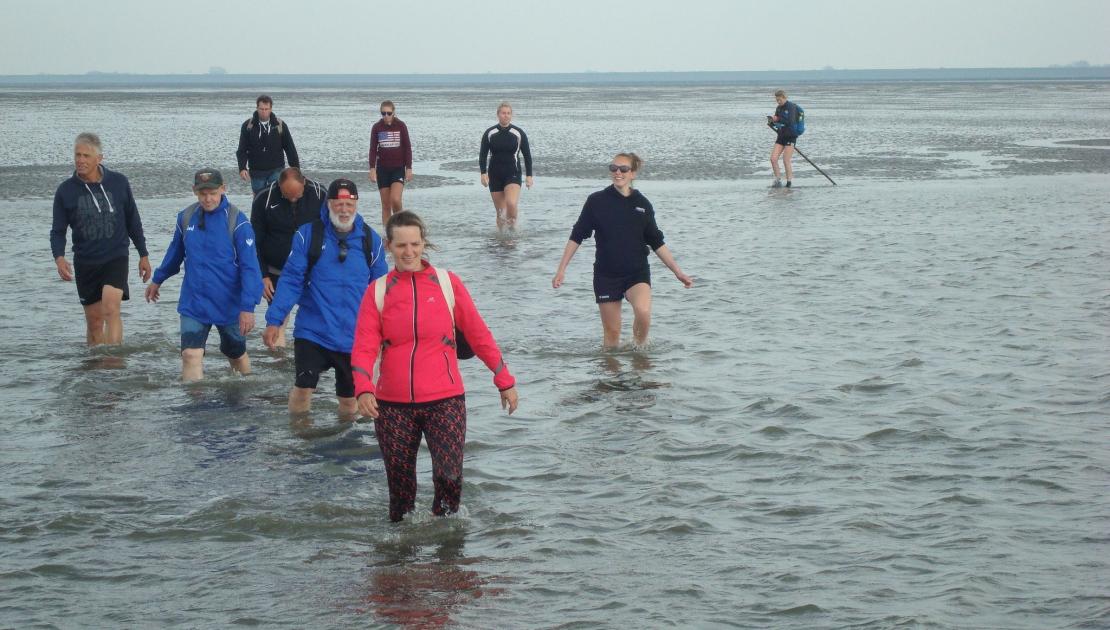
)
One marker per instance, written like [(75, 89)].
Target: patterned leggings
[(399, 427)]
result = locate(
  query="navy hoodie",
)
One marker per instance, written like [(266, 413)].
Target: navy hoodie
[(103, 217)]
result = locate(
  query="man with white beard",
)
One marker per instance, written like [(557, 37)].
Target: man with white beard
[(332, 261)]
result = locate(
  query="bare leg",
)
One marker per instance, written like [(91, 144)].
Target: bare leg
[(787, 156), (775, 153), (192, 364), (512, 205), (386, 205), (639, 295), (499, 208), (241, 365), (94, 325), (110, 301), (396, 189), (348, 409), (300, 399), (610, 323)]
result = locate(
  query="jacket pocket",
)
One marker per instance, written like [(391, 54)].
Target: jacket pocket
[(447, 366)]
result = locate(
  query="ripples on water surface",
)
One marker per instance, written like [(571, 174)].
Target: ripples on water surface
[(883, 404)]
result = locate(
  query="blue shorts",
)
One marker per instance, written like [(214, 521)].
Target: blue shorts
[(389, 176), (194, 335), (261, 180)]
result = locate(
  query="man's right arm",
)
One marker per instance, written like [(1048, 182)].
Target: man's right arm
[(241, 152)]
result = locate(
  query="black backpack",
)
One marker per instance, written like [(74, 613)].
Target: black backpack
[(316, 246)]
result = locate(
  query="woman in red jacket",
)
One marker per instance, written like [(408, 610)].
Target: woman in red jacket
[(419, 390)]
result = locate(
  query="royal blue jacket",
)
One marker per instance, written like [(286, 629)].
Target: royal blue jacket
[(330, 299), (222, 278), (103, 216)]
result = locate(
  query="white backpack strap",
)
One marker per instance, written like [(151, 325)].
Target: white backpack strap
[(448, 291), (379, 293)]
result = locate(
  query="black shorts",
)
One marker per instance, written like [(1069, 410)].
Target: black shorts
[(389, 176), (612, 288), (92, 278), (786, 141), (311, 359), (498, 180)]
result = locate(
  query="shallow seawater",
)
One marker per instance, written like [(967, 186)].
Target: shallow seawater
[(883, 404)]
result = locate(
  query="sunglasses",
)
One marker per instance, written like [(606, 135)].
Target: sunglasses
[(343, 250), (384, 114), (624, 168)]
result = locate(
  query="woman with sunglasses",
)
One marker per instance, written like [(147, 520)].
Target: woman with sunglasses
[(406, 317), (390, 159), (623, 223), (504, 144)]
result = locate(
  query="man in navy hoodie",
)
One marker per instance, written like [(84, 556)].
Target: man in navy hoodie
[(98, 204), (222, 282), (329, 292)]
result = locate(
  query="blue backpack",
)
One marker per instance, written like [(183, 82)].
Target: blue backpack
[(800, 120)]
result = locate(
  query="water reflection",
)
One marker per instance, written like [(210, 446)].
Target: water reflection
[(413, 588)]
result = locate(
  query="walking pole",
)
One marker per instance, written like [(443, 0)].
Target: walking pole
[(799, 152)]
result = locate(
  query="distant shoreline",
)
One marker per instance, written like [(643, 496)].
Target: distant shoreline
[(101, 79)]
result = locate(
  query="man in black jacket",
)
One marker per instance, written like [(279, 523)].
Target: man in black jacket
[(264, 143), (277, 213)]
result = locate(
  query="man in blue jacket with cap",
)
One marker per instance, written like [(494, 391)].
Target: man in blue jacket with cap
[(332, 261), (222, 282)]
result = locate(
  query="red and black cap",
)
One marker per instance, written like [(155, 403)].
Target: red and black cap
[(342, 189)]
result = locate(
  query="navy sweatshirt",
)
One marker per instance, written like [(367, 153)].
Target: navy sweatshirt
[(103, 217), (624, 229)]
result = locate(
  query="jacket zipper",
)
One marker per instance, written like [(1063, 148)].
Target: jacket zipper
[(447, 362), (415, 340)]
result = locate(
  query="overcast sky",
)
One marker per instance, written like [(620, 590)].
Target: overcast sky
[(461, 36)]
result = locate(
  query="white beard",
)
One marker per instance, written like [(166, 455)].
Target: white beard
[(340, 225)]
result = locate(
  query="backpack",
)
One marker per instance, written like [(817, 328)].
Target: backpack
[(316, 246), (462, 348), (232, 222), (799, 120)]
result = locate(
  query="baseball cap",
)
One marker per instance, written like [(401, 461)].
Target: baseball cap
[(207, 178), (342, 189)]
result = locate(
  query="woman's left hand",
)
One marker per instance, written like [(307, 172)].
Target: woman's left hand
[(509, 399), (686, 280)]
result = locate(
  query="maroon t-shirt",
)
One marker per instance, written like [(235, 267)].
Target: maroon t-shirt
[(390, 146)]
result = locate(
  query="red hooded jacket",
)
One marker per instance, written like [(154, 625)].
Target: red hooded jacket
[(416, 339)]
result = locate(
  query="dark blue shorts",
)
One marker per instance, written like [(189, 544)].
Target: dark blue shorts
[(612, 288), (786, 141), (91, 279), (498, 180), (194, 334), (389, 176)]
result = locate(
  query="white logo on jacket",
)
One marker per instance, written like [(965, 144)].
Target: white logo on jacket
[(250, 241)]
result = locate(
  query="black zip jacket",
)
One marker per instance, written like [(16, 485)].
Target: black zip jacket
[(260, 150)]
